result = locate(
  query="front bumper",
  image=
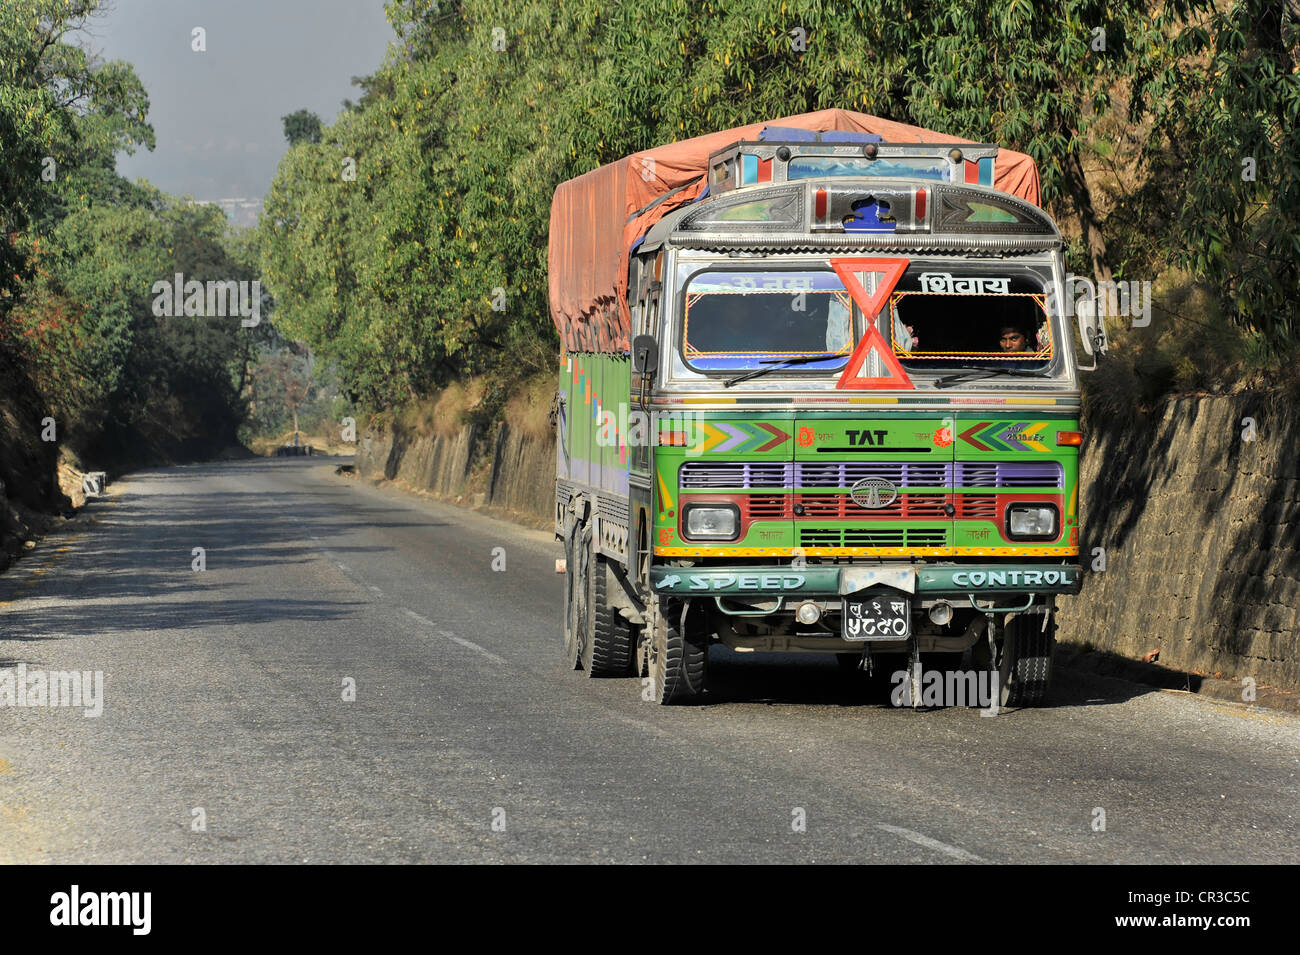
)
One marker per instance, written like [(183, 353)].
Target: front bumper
[(926, 580)]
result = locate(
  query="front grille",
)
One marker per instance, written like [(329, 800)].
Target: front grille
[(767, 507), (832, 506), (1009, 474), (976, 506), (847, 473), (706, 475), (699, 475), (872, 537)]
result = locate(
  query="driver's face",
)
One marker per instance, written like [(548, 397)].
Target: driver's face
[(1013, 341)]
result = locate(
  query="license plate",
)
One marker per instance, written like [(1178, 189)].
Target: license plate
[(877, 614)]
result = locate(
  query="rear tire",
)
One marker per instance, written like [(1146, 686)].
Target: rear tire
[(1025, 660), (574, 589), (608, 640), (679, 655)]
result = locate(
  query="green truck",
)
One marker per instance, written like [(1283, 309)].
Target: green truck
[(817, 398)]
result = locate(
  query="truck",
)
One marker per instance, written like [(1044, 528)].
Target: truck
[(817, 394)]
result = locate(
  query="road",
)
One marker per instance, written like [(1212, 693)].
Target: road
[(225, 734)]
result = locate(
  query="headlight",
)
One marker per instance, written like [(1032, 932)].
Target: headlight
[(718, 522), (1032, 521)]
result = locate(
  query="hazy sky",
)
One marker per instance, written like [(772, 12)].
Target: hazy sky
[(217, 114)]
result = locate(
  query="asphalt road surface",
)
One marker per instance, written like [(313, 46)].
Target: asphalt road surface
[(226, 736)]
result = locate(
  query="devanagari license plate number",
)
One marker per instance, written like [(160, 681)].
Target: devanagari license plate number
[(877, 617)]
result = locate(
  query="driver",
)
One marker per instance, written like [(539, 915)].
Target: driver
[(1014, 339)]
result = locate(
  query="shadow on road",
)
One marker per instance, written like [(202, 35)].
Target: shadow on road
[(144, 615), (803, 679), (127, 571)]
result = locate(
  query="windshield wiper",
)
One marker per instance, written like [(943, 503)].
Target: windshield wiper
[(983, 371), (776, 363)]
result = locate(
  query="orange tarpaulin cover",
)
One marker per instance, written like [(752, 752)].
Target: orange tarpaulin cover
[(594, 223)]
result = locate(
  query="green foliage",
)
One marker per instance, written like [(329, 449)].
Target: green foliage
[(304, 126), (178, 373), (76, 278), (1232, 122), (393, 274), (457, 146), (60, 111)]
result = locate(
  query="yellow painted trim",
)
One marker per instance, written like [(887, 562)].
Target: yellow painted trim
[(704, 401), (1028, 437), (712, 438), (867, 551), (1030, 401), (665, 498)]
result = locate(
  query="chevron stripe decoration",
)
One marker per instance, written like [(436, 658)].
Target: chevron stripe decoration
[(739, 437), (1005, 436), (1028, 437)]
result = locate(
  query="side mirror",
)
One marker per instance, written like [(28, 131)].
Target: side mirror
[(1092, 331), (645, 355), (1091, 325)]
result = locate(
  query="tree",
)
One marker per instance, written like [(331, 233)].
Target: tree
[(1226, 97), (303, 126), (1035, 77), (282, 383), (62, 113), (388, 241)]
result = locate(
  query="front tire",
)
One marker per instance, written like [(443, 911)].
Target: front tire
[(1025, 660), (678, 655)]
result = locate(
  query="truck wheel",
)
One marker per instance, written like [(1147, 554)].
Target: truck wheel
[(679, 655), (608, 641), (574, 590), (1025, 660)]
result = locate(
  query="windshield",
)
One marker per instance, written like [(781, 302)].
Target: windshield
[(941, 318), (745, 320)]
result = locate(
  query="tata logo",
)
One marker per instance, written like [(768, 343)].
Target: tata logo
[(860, 438), (873, 493)]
